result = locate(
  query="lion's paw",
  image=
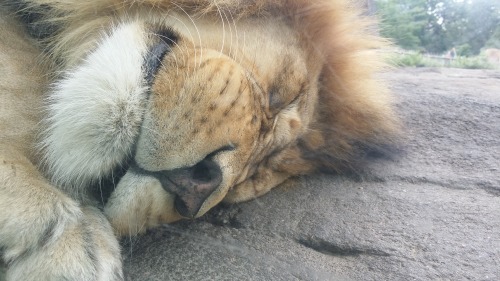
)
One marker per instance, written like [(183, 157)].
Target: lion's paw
[(85, 250)]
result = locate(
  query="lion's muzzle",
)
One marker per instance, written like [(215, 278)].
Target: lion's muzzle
[(192, 186)]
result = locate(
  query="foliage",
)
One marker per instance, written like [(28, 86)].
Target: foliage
[(410, 59), (464, 50), (403, 22), (477, 62), (436, 26), (416, 59), (494, 41)]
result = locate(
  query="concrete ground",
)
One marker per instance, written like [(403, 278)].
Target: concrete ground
[(431, 214)]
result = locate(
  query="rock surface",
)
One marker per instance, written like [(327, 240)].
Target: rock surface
[(431, 214)]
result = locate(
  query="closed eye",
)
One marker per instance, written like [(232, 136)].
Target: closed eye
[(229, 147), (280, 99)]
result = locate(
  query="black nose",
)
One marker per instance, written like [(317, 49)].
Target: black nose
[(193, 185)]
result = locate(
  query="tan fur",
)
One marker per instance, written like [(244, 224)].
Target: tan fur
[(30, 206), (283, 87)]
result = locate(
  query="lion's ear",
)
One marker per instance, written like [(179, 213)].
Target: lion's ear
[(354, 112)]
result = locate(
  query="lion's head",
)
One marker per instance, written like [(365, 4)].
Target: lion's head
[(210, 103)]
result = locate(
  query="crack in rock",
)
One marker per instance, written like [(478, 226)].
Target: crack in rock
[(462, 184), (332, 249)]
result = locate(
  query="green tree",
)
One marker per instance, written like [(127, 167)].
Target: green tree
[(494, 40), (439, 25), (447, 23), (403, 21), (483, 24)]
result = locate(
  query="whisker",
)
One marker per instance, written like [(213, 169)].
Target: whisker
[(197, 31), (223, 28), (237, 39), (230, 34), (173, 55), (190, 35)]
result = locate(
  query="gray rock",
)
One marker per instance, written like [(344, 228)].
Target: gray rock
[(430, 214)]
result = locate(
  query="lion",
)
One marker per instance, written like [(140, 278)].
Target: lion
[(118, 116)]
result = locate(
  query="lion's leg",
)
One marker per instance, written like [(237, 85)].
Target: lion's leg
[(46, 235)]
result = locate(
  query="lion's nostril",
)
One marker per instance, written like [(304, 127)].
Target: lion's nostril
[(205, 171), (192, 185)]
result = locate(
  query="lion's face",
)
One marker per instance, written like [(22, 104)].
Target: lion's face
[(212, 119), (201, 109)]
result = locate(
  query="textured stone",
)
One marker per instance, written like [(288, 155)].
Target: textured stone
[(430, 214)]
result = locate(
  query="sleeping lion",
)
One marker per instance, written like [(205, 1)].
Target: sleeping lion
[(120, 115)]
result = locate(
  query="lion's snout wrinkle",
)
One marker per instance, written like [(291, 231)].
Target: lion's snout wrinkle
[(192, 186)]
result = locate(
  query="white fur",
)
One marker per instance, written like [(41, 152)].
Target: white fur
[(96, 110)]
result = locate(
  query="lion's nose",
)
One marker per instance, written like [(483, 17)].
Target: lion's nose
[(193, 186)]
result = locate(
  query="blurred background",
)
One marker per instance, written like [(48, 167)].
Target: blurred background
[(453, 33)]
